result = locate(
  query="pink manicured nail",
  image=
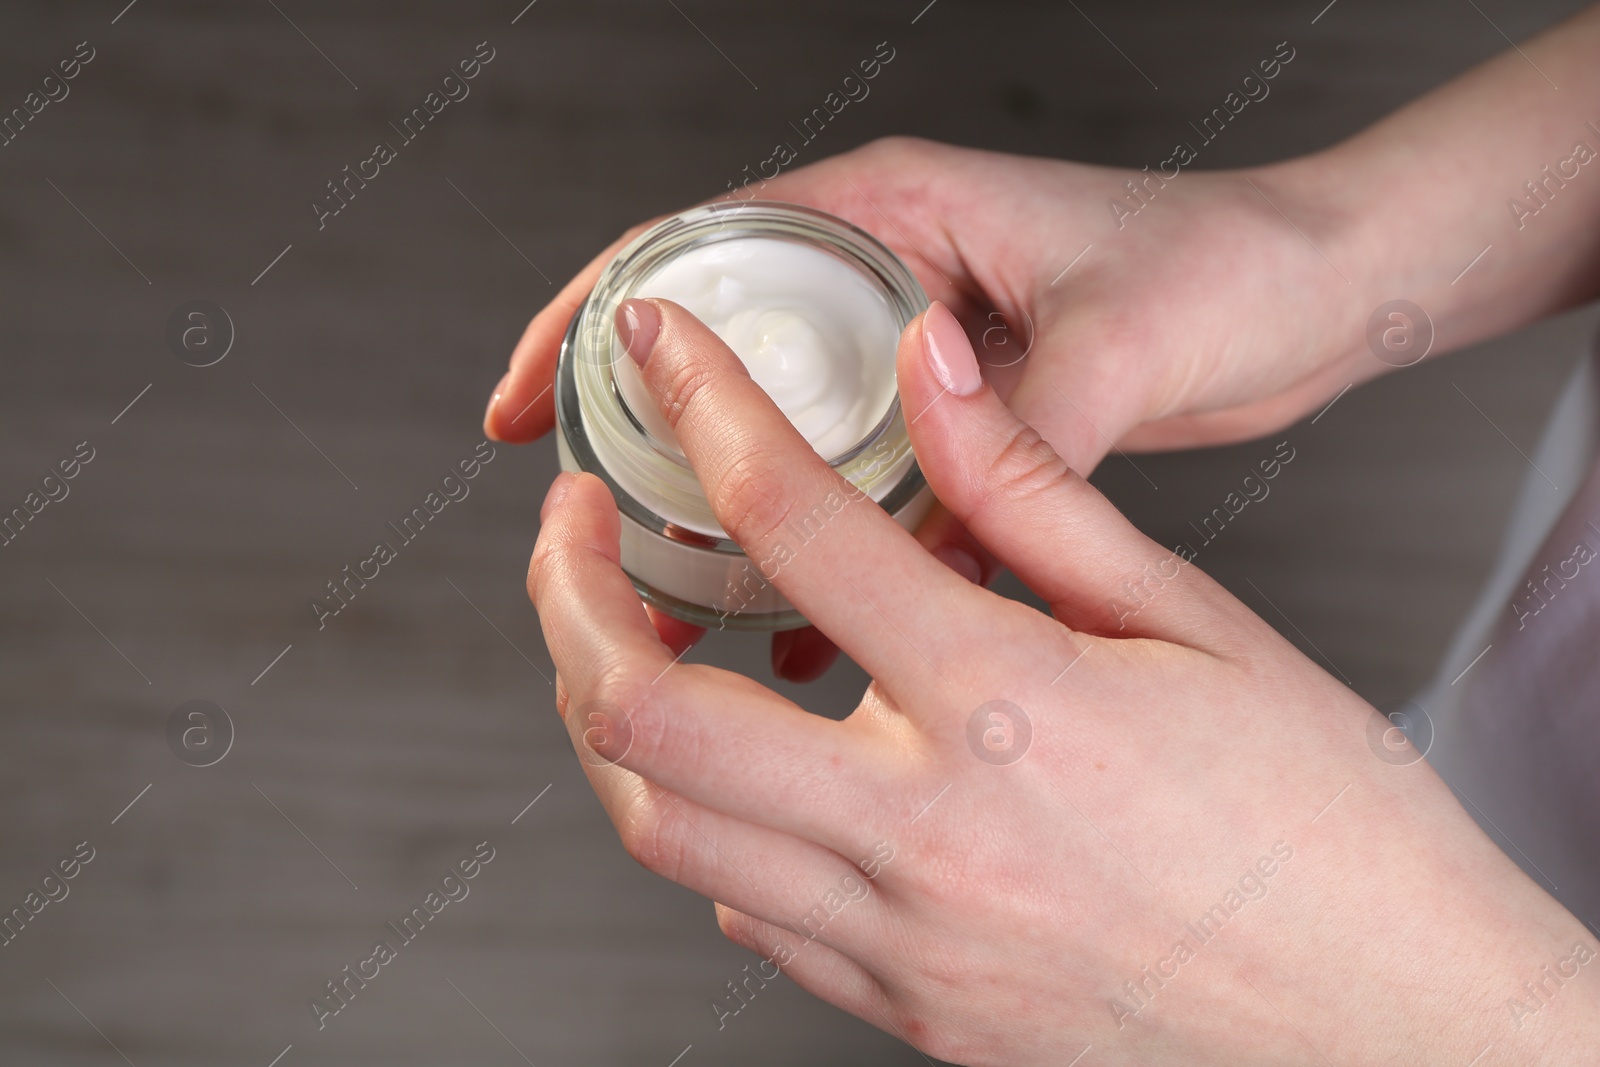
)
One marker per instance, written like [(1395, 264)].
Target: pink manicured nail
[(557, 493), (949, 353), (638, 323)]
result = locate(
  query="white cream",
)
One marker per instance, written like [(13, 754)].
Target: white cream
[(814, 332)]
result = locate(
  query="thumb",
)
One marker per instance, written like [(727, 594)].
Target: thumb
[(1002, 481)]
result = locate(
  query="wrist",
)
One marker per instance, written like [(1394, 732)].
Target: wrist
[(1458, 952), (1348, 256)]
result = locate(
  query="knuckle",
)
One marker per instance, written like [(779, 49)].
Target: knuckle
[(650, 730), (543, 567), (682, 384), (647, 727), (616, 685), (751, 498), (616, 689), (649, 835), (1025, 468)]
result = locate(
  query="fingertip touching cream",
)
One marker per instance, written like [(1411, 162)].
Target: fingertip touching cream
[(814, 307)]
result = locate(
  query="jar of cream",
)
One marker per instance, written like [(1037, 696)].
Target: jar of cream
[(814, 307)]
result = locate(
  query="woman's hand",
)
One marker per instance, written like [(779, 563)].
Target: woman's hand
[(1147, 826), (1186, 324), (1191, 322)]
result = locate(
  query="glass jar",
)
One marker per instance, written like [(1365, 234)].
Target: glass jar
[(677, 555)]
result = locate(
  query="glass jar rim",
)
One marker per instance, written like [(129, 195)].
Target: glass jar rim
[(586, 391)]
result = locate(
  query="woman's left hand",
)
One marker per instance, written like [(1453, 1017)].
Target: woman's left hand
[(1146, 825)]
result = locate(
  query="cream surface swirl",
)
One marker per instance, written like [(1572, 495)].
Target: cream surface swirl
[(815, 334)]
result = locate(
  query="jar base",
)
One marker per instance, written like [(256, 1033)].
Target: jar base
[(712, 619)]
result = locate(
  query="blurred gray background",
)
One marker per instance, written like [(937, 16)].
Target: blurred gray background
[(381, 749)]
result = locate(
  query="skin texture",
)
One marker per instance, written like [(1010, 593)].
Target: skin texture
[(1173, 752)]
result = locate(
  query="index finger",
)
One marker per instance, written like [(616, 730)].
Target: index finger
[(851, 569)]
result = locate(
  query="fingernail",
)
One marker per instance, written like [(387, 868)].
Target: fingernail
[(488, 412), (949, 353), (961, 561), (558, 492), (638, 323)]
